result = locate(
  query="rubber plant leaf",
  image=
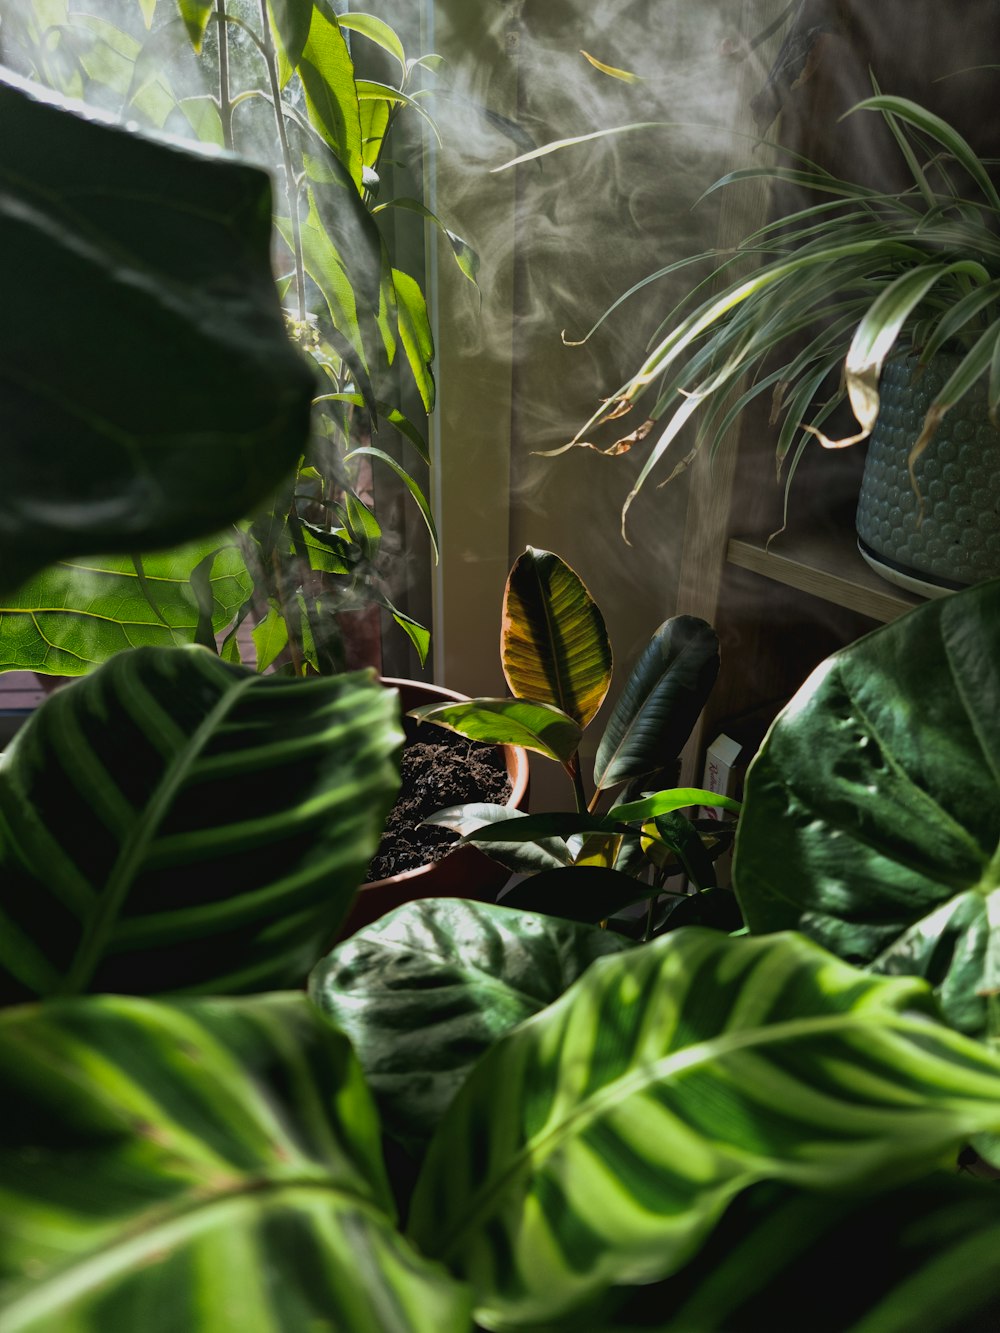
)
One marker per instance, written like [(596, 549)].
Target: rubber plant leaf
[(426, 990), (201, 1162), (579, 893), (195, 14), (872, 812), (168, 401), (483, 818), (553, 640), (660, 702), (601, 1141), (926, 1266), (76, 614), (536, 726), (175, 824)]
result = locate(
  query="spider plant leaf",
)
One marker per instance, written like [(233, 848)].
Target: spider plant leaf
[(114, 442), (554, 644), (659, 703), (601, 1141), (536, 726), (172, 823), (426, 990), (846, 780), (201, 1162)]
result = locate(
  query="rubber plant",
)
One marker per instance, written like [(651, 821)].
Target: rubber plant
[(281, 73), (557, 660), (603, 1135)]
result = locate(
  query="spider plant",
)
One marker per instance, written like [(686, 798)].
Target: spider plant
[(834, 288)]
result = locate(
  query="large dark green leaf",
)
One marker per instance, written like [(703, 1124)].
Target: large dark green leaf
[(660, 702), (579, 893), (554, 644), (148, 390), (204, 1166), (599, 1142), (78, 613), (423, 992), (920, 1259), (172, 823), (872, 813)]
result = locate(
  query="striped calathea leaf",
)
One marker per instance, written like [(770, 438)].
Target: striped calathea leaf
[(426, 990), (205, 1165), (172, 823), (599, 1142)]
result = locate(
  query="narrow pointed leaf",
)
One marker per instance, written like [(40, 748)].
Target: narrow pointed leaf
[(871, 819), (415, 334), (660, 702), (553, 641), (423, 992), (75, 615), (116, 442), (600, 1142), (194, 1165), (663, 802), (290, 23), (377, 31), (465, 257), (172, 823), (536, 726), (195, 14), (327, 73)]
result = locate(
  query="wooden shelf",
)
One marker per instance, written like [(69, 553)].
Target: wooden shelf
[(826, 565)]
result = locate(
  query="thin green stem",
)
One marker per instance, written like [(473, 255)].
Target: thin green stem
[(225, 100), (572, 767), (291, 188)]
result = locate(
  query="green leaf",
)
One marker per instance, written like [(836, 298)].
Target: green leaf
[(660, 702), (465, 257), (420, 500), (415, 334), (508, 722), (78, 613), (270, 638), (424, 991), (148, 8), (579, 893), (290, 21), (392, 415), (198, 1166), (195, 14), (554, 644), (172, 823), (115, 441), (327, 73), (600, 1142), (377, 31), (482, 818), (677, 798), (871, 818)]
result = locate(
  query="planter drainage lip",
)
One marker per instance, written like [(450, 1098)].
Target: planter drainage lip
[(903, 576)]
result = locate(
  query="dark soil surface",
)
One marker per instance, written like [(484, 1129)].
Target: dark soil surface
[(438, 768)]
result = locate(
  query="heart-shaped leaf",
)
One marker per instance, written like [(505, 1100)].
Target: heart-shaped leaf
[(660, 703), (599, 1142), (872, 813), (172, 823), (78, 613), (424, 991), (198, 1166), (536, 726), (168, 400), (554, 645)]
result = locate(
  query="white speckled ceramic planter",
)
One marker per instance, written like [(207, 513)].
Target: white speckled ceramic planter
[(958, 542)]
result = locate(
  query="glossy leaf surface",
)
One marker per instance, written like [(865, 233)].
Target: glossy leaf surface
[(536, 726), (198, 1166), (872, 813), (600, 1141), (117, 440), (172, 823), (579, 893), (78, 613), (487, 821), (553, 641), (660, 702), (424, 991)]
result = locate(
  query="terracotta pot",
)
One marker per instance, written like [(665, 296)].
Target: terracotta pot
[(463, 873)]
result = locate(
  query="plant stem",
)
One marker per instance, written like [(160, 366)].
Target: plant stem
[(291, 190), (225, 100), (572, 767)]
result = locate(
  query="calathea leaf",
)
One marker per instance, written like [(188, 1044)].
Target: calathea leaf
[(536, 726), (554, 644), (172, 823), (197, 1165), (78, 613), (599, 1142), (660, 702), (424, 991), (872, 813), (169, 400)]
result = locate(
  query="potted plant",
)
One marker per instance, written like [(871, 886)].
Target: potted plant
[(901, 280)]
